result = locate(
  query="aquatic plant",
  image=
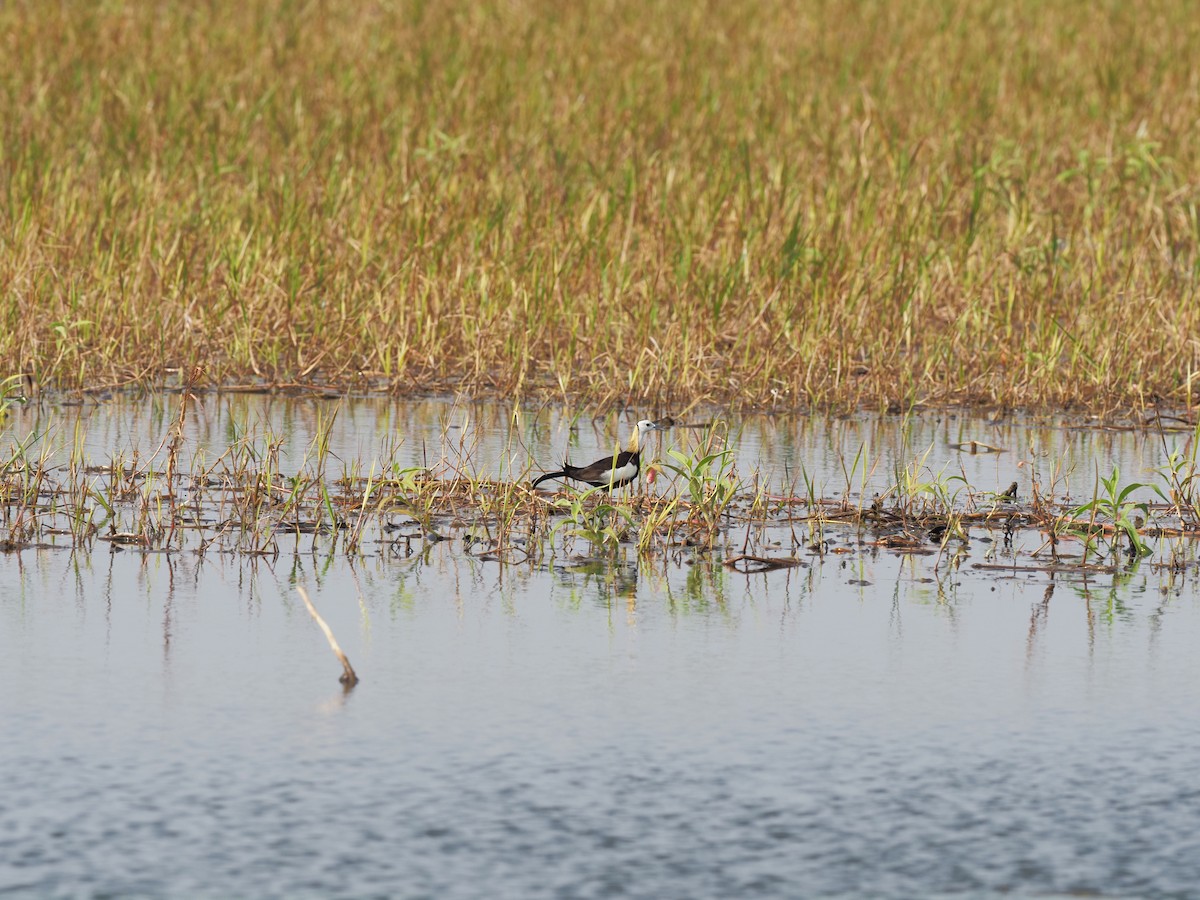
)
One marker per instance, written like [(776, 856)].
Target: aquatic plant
[(10, 394), (1115, 506), (595, 517), (1180, 477), (709, 485), (858, 468), (709, 479)]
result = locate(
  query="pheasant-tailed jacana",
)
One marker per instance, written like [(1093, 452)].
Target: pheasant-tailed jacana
[(612, 471)]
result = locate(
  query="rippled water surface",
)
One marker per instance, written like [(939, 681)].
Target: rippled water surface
[(868, 724)]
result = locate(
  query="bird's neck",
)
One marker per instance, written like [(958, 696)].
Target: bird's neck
[(634, 444)]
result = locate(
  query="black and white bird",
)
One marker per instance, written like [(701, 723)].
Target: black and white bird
[(612, 471)]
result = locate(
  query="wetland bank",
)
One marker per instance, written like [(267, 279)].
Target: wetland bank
[(306, 294)]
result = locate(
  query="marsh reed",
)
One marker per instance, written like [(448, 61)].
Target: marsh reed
[(762, 203)]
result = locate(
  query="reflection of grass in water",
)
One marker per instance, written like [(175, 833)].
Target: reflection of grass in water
[(777, 204), (607, 580)]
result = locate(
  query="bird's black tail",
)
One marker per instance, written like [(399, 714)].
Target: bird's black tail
[(547, 477)]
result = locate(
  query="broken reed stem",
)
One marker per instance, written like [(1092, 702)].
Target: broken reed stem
[(349, 678)]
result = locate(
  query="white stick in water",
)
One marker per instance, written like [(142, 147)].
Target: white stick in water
[(348, 677)]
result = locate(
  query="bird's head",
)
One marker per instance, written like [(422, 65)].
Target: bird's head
[(643, 428)]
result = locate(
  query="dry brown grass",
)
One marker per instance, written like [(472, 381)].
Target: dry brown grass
[(830, 204)]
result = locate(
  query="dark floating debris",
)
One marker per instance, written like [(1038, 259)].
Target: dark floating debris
[(747, 564), (126, 538), (976, 447)]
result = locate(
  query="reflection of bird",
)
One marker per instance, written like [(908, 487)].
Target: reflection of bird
[(612, 471)]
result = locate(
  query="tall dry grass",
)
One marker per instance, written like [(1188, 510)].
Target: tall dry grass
[(761, 202)]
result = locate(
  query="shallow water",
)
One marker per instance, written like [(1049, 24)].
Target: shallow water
[(871, 723)]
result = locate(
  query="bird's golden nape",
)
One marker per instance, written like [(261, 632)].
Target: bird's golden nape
[(634, 444), (639, 435)]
